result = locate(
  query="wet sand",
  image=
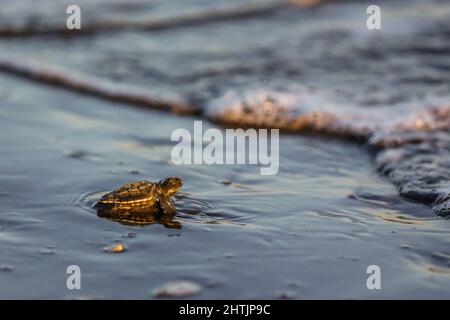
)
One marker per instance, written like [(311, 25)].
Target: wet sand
[(337, 205), (387, 88), (258, 237)]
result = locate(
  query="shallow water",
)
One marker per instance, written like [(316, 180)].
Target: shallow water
[(308, 232), (322, 68)]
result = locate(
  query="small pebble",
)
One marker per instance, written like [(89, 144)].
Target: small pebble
[(6, 267), (118, 248), (226, 182), (47, 251), (286, 295), (177, 289), (130, 235)]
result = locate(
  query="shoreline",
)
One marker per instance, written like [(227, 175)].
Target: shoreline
[(326, 206), (398, 139)]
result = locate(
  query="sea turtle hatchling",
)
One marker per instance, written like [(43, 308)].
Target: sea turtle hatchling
[(143, 195)]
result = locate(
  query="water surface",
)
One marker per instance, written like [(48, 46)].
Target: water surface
[(334, 208), (310, 231)]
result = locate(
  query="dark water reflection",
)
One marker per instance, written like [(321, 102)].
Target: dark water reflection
[(142, 216)]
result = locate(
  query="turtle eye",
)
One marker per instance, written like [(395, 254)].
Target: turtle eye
[(171, 185), (176, 181)]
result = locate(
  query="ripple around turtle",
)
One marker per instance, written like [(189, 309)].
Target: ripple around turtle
[(190, 210)]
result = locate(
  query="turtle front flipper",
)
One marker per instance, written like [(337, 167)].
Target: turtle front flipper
[(167, 206)]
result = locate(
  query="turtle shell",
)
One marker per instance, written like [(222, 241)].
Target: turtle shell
[(136, 194)]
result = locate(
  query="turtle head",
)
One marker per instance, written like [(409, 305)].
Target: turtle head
[(170, 185)]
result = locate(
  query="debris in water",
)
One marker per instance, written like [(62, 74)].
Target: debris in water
[(177, 289), (118, 248)]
